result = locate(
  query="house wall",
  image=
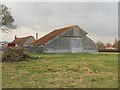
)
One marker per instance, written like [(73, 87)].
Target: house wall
[(37, 49), (79, 32), (76, 45), (28, 41), (68, 33), (89, 45), (58, 45), (85, 43), (76, 31)]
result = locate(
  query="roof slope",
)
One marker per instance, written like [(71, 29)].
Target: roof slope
[(21, 41), (51, 35)]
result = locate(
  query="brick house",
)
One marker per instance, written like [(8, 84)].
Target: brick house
[(23, 41)]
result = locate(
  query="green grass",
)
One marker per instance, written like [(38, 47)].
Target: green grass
[(79, 70)]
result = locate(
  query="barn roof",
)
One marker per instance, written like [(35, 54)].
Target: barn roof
[(21, 41), (45, 39)]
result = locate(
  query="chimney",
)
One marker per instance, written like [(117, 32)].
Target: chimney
[(15, 36), (36, 36)]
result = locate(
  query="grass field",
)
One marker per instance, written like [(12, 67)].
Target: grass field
[(79, 70)]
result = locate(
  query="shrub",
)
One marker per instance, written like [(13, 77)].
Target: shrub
[(15, 54)]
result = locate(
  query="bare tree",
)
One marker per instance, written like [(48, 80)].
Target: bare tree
[(6, 20), (101, 46)]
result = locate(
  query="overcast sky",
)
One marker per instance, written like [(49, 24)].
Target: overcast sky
[(99, 19)]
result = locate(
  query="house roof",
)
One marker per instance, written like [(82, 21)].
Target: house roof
[(45, 39), (21, 41)]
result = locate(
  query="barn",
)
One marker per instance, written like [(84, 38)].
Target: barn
[(71, 39)]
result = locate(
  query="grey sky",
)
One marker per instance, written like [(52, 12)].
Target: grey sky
[(99, 19)]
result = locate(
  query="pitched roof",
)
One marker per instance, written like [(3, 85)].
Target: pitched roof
[(52, 35), (21, 41)]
